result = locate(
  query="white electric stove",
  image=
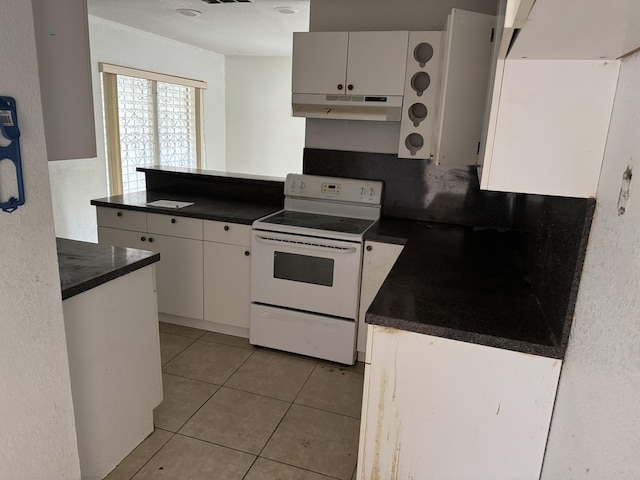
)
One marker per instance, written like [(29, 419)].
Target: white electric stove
[(306, 266)]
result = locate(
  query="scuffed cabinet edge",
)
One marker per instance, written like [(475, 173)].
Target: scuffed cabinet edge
[(363, 418), (369, 352)]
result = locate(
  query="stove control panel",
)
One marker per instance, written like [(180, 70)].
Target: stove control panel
[(349, 190)]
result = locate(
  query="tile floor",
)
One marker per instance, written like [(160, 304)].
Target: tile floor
[(233, 411)]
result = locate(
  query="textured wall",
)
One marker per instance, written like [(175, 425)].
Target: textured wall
[(75, 182), (37, 429), (595, 432), (262, 136)]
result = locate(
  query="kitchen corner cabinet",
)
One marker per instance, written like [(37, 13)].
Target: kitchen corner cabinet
[(471, 412), (227, 274), (179, 242), (377, 261), (358, 63), (64, 64), (547, 118)]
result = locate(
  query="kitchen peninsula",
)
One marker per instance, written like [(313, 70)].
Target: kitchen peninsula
[(111, 326), (203, 279)]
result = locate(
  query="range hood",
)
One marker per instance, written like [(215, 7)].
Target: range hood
[(385, 108)]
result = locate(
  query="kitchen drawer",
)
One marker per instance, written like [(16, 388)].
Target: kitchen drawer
[(123, 219), (226, 232), (174, 226)]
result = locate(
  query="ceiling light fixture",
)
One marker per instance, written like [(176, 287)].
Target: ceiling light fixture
[(189, 12), (286, 10)]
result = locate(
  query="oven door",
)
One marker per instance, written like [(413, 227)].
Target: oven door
[(306, 273)]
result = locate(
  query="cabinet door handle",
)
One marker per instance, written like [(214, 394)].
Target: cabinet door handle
[(119, 214), (173, 220), (226, 228), (349, 87), (143, 239), (150, 239), (340, 86), (247, 253), (369, 248)]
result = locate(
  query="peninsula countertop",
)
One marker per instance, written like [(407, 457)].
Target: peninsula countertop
[(85, 265), (205, 208), (460, 283)]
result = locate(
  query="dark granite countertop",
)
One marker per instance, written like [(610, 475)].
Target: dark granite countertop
[(460, 283), (206, 208), (84, 265)]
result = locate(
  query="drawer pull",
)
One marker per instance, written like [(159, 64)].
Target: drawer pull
[(247, 253), (119, 214), (226, 228), (143, 239), (150, 239), (173, 220)]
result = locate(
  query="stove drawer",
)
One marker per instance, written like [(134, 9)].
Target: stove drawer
[(303, 333)]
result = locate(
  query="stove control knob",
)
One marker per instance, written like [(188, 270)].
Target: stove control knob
[(372, 191), (293, 185), (362, 190), (302, 185)]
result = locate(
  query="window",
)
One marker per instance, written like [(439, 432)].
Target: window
[(150, 119)]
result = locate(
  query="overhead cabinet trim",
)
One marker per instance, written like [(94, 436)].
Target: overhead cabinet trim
[(159, 77)]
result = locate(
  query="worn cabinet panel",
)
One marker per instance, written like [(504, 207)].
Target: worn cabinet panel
[(447, 410)]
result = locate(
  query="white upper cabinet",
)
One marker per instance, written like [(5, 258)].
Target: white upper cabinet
[(319, 62), (358, 63), (551, 101), (62, 41)]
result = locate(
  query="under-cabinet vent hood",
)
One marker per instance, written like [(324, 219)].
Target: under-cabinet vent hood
[(348, 107)]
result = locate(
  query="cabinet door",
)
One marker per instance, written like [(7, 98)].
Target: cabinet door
[(179, 273), (378, 259), (377, 62), (319, 62), (227, 283)]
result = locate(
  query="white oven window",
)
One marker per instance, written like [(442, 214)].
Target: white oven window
[(303, 268)]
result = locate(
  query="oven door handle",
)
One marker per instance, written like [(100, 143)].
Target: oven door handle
[(312, 246)]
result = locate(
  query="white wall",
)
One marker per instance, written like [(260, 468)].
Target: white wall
[(37, 429), (595, 431), (75, 182), (364, 15), (262, 136)]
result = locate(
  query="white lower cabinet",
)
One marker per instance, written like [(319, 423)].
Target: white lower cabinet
[(377, 261), (436, 408), (179, 272), (204, 273), (227, 282)]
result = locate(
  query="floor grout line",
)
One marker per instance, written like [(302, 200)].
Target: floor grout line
[(316, 364)]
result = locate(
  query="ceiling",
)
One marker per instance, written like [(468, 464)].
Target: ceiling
[(255, 28)]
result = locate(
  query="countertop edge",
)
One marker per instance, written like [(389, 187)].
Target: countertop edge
[(86, 285), (465, 336)]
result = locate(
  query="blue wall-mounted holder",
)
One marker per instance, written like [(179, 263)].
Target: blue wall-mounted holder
[(9, 130)]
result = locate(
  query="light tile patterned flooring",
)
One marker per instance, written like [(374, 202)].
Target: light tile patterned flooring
[(233, 411)]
